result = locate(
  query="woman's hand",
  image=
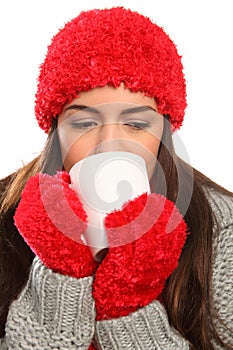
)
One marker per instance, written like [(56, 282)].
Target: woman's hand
[(51, 219), (133, 274)]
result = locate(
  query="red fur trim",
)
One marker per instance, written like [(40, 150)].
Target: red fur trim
[(133, 275), (51, 219), (111, 46)]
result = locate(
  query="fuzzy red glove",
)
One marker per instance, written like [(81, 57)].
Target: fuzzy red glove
[(133, 274), (51, 219)]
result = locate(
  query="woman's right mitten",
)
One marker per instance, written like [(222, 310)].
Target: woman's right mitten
[(51, 219)]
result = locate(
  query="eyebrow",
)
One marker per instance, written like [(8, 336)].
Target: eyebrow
[(81, 107), (96, 111), (137, 109)]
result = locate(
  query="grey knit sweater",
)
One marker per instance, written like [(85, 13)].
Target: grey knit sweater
[(58, 312)]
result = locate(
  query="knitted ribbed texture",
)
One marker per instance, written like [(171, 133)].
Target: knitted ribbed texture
[(52, 312), (147, 328), (3, 345), (222, 206), (222, 287)]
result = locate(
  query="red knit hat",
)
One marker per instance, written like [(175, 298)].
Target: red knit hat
[(111, 46)]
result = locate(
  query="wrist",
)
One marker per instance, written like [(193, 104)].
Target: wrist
[(56, 303), (146, 328)]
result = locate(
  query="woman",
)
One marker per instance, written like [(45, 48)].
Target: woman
[(113, 80)]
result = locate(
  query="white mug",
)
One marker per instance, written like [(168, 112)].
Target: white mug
[(104, 182)]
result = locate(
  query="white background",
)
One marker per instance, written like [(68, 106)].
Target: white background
[(203, 33)]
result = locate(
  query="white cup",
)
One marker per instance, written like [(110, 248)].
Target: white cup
[(104, 182)]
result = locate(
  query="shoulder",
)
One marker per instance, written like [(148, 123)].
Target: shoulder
[(222, 263), (222, 206)]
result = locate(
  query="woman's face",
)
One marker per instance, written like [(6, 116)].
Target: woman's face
[(110, 119)]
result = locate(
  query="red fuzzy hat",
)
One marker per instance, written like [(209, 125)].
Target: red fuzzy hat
[(111, 46)]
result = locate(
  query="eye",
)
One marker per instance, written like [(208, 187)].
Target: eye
[(83, 124), (137, 125)]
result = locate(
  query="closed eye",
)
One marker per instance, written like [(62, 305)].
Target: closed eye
[(137, 125), (83, 125)]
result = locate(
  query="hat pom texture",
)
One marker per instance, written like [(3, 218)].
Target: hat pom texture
[(110, 47)]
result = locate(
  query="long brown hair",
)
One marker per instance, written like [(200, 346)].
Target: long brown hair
[(186, 296)]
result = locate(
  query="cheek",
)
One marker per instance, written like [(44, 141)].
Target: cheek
[(150, 155), (147, 148), (73, 149), (152, 144)]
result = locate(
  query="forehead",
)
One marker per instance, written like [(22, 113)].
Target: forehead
[(109, 94)]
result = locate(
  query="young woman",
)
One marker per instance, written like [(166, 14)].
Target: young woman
[(113, 81)]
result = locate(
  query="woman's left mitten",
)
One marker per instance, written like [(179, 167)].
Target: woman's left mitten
[(146, 239)]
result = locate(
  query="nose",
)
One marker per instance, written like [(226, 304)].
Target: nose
[(110, 138)]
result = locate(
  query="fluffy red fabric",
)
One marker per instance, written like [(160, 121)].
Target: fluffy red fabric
[(51, 219), (111, 46), (133, 275)]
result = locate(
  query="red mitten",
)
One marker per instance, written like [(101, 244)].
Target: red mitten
[(133, 274), (51, 219)]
